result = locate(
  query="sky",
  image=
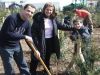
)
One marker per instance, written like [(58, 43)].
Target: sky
[(61, 2)]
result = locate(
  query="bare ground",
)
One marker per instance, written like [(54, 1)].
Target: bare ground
[(66, 55)]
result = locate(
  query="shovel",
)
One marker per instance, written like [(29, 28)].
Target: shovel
[(32, 47)]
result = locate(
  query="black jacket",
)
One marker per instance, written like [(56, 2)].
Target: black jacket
[(13, 30), (38, 33)]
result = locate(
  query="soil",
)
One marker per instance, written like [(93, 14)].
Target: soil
[(66, 55)]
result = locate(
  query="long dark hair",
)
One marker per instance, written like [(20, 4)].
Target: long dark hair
[(49, 4)]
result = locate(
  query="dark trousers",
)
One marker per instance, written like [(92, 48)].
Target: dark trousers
[(34, 61)]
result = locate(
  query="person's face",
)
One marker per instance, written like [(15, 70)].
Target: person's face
[(78, 25), (28, 12), (49, 11)]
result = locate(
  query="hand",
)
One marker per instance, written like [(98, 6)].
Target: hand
[(28, 38), (37, 54)]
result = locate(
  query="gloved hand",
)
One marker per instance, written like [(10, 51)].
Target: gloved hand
[(28, 38)]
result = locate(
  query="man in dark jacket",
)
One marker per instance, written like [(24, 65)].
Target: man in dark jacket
[(15, 28)]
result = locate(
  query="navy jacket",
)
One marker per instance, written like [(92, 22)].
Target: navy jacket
[(14, 29)]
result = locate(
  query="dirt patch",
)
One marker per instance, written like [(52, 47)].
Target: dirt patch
[(66, 55)]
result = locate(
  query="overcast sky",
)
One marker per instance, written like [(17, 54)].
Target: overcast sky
[(62, 2)]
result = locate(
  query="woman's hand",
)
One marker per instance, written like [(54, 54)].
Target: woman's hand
[(37, 54)]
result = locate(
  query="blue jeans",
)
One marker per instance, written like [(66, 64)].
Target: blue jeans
[(8, 54)]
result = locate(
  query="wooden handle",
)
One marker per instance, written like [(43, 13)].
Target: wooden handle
[(32, 47)]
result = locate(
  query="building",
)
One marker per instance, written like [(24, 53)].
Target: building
[(2, 5), (91, 3)]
